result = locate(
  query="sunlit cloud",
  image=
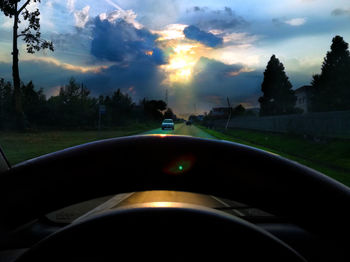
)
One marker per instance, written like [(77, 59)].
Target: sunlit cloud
[(181, 63), (182, 60), (128, 16), (240, 71), (171, 32), (66, 66)]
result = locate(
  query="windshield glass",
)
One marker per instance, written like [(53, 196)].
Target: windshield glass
[(270, 74)]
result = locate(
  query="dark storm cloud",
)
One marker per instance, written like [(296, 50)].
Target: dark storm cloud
[(214, 81), (120, 41), (205, 18), (194, 33), (140, 76), (44, 74), (136, 54), (217, 78), (133, 51)]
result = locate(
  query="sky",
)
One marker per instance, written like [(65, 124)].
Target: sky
[(201, 52)]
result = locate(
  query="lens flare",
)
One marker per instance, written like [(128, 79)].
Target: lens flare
[(180, 165)]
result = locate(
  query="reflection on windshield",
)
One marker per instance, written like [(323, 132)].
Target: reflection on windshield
[(274, 75)]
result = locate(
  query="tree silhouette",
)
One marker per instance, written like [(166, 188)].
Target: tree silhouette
[(278, 97), (31, 36), (154, 108), (331, 88), (169, 114)]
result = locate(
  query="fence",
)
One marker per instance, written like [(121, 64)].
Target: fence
[(325, 124)]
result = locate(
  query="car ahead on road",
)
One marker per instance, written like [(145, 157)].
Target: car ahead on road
[(188, 122), (168, 124)]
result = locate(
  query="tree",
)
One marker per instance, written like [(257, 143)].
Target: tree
[(169, 114), (34, 103), (119, 107), (73, 107), (6, 104), (154, 108), (31, 36), (278, 97), (331, 88)]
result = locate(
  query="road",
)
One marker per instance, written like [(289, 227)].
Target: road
[(181, 129)]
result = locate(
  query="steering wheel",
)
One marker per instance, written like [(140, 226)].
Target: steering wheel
[(142, 163)]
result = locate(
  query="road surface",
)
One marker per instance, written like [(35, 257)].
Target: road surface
[(181, 129)]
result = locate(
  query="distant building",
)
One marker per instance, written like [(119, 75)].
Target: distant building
[(253, 111), (220, 111), (303, 98)]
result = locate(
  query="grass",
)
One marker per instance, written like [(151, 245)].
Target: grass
[(330, 157), (19, 147)]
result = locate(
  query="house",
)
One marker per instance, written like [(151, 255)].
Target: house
[(220, 111), (254, 111), (303, 98)]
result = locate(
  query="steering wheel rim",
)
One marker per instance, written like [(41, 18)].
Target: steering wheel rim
[(175, 231), (142, 163)]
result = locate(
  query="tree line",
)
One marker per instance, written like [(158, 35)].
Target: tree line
[(73, 107), (329, 90)]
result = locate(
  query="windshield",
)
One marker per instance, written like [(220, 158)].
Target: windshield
[(271, 74)]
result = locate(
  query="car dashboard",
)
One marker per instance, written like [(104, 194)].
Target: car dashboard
[(312, 247)]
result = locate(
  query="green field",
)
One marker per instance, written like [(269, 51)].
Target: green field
[(19, 147), (330, 157)]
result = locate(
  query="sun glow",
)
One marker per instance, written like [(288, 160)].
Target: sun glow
[(181, 63)]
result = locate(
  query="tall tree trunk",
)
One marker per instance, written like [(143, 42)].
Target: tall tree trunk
[(15, 74)]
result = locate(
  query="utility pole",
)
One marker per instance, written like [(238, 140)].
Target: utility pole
[(166, 97), (229, 114)]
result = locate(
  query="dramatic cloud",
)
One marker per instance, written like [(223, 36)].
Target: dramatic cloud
[(214, 77), (128, 16), (194, 33), (139, 76), (213, 82), (120, 41)]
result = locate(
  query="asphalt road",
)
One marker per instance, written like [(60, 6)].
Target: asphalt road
[(181, 129)]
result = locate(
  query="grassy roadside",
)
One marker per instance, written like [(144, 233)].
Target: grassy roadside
[(331, 158), (19, 147)]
